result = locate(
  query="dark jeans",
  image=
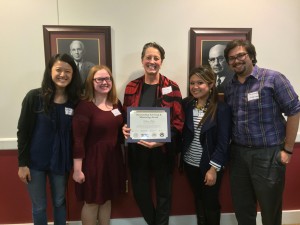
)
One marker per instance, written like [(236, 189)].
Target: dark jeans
[(257, 175), (145, 165), (206, 197)]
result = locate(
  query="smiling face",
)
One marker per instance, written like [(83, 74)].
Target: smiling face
[(152, 61), (199, 88), (102, 82), (61, 73), (240, 62)]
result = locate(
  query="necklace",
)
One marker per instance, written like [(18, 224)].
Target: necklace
[(200, 107)]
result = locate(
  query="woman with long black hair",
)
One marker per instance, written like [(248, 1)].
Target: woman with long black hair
[(45, 137)]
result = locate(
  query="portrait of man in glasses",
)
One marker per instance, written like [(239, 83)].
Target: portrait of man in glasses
[(219, 65)]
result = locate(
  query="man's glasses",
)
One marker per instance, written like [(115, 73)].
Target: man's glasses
[(100, 80), (240, 57), (220, 59)]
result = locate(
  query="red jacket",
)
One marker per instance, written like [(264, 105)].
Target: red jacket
[(171, 100)]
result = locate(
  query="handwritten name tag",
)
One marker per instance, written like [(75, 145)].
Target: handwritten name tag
[(253, 96), (166, 90), (116, 112), (69, 111)]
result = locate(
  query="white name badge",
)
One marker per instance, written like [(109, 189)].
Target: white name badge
[(253, 96), (69, 111), (116, 112), (200, 114), (166, 90)]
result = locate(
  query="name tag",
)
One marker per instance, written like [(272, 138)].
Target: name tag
[(69, 111), (201, 114), (253, 96), (166, 90), (116, 112)]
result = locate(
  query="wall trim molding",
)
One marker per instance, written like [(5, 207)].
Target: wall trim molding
[(8, 144), (288, 217)]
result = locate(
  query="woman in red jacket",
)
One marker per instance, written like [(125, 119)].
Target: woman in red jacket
[(146, 158)]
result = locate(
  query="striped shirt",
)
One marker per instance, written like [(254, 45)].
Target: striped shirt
[(194, 153), (257, 106)]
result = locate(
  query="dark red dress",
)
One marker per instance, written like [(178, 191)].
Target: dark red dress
[(97, 140)]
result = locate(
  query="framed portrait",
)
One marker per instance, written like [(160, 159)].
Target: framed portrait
[(207, 48), (88, 45)]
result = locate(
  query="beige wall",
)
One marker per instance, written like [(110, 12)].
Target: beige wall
[(275, 33)]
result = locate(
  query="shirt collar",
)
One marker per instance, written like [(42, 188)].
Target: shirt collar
[(254, 74)]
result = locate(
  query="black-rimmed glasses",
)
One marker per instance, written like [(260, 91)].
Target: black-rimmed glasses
[(241, 56), (100, 80)]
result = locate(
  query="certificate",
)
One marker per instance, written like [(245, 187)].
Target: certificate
[(149, 124)]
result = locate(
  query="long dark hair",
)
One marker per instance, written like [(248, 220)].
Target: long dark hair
[(73, 90), (207, 74)]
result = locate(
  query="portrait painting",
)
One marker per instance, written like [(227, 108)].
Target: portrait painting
[(207, 48), (88, 45)]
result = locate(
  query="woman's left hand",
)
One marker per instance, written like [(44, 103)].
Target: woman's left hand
[(210, 176), (150, 144)]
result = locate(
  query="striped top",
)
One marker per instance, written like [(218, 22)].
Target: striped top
[(194, 153)]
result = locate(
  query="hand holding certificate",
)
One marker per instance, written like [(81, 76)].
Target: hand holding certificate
[(149, 124)]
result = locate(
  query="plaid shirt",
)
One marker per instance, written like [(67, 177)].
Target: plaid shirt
[(257, 106), (171, 100)]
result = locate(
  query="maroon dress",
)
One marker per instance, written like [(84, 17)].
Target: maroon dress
[(97, 140)]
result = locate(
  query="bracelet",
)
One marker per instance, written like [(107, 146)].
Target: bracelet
[(287, 151)]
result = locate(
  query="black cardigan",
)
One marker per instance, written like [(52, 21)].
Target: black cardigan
[(26, 125)]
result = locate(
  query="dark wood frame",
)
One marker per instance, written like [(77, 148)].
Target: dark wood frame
[(214, 35), (101, 33), (197, 35)]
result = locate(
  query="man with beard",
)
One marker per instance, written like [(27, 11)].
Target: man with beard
[(77, 51), (262, 140), (218, 63)]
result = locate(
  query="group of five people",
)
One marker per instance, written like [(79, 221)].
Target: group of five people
[(59, 127)]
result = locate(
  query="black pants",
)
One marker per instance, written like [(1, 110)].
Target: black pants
[(257, 175), (206, 197), (145, 165)]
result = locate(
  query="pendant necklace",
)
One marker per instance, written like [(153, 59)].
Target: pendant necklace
[(201, 109)]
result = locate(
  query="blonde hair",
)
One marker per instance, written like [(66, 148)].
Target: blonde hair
[(89, 85)]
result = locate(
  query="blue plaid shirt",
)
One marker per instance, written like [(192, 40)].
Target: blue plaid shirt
[(257, 106)]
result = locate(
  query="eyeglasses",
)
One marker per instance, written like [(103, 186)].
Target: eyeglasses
[(219, 59), (100, 80), (240, 57)]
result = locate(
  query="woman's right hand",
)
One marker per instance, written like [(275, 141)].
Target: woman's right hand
[(78, 176), (126, 131), (24, 174)]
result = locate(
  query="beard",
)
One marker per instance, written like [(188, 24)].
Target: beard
[(239, 68)]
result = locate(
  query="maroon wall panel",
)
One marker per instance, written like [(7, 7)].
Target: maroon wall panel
[(15, 206)]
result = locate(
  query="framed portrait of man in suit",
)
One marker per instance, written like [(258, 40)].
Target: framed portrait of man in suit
[(88, 45), (207, 48)]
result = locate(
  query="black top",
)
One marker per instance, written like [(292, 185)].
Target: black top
[(148, 96)]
